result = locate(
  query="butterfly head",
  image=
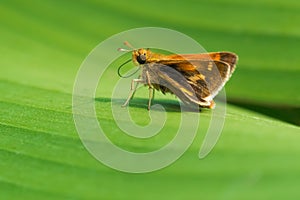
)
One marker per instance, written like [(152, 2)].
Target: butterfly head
[(140, 56)]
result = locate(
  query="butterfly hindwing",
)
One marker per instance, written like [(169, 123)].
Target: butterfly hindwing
[(167, 79)]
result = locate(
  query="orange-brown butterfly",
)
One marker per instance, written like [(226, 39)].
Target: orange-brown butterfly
[(193, 78)]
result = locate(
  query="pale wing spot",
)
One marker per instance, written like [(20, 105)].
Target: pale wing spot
[(202, 76), (210, 66), (197, 77)]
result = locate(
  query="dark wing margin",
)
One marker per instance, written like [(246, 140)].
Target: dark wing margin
[(227, 57)]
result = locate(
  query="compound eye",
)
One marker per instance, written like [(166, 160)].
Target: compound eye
[(141, 58)]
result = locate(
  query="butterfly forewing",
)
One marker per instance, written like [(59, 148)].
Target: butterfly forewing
[(206, 77)]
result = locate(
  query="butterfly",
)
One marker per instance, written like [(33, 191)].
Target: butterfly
[(194, 78)]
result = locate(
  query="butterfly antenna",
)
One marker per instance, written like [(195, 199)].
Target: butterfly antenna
[(126, 43), (123, 50)]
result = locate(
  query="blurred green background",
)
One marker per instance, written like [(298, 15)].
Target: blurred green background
[(43, 43)]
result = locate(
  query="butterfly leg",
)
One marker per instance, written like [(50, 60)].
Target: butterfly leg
[(132, 90), (151, 94), (151, 90), (136, 86)]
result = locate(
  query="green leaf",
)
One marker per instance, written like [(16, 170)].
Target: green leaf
[(42, 46)]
